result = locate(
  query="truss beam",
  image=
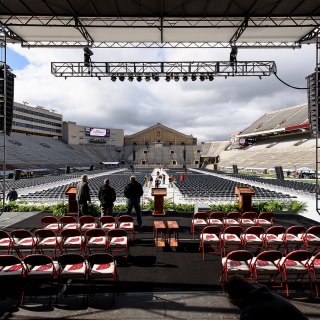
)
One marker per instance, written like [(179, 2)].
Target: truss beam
[(164, 69)]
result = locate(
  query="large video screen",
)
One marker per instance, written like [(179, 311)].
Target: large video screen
[(97, 132)]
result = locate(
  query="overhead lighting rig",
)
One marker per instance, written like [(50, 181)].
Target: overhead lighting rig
[(203, 70)]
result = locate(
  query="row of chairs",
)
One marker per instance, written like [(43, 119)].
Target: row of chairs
[(299, 267), (87, 222), (234, 218), (39, 267), (256, 238), (47, 241)]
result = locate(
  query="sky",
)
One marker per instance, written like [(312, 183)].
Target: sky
[(209, 110)]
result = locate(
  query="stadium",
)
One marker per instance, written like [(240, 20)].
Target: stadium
[(175, 264)]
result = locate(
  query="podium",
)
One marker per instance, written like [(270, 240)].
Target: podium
[(158, 194), (72, 202), (245, 197)]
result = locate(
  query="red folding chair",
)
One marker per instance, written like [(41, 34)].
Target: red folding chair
[(252, 238), (216, 219), (273, 238), (312, 239), (293, 238), (50, 222), (198, 222), (295, 269), (232, 219), (23, 242), (230, 239), (6, 243), (314, 267), (118, 243), (248, 219), (126, 223), (265, 220), (210, 241), (237, 263), (96, 240), (107, 223), (87, 223), (72, 240), (69, 222), (48, 241)]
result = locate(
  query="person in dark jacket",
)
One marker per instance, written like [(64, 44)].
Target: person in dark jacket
[(107, 197), (256, 301), (12, 195), (133, 191), (83, 195)]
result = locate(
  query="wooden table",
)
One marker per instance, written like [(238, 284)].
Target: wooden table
[(159, 234), (173, 233)]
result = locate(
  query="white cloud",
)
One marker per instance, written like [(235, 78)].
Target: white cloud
[(207, 110)]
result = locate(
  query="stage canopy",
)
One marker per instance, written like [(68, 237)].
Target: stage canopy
[(160, 23)]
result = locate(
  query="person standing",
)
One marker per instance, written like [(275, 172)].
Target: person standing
[(256, 301), (133, 191), (107, 197), (12, 195), (83, 195)]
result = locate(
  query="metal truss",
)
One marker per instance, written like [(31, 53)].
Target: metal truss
[(206, 69)]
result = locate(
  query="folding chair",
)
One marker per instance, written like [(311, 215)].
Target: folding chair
[(73, 268), (12, 271), (232, 219), (273, 238), (295, 268), (102, 268), (87, 223), (265, 268), (118, 243), (47, 240), (126, 223), (247, 219), (96, 239), (72, 239), (314, 267), (216, 219), (230, 239), (265, 220), (6, 243), (107, 223), (40, 269), (293, 238), (251, 238), (236, 263), (198, 222), (23, 242), (209, 239), (69, 222), (50, 222), (312, 239)]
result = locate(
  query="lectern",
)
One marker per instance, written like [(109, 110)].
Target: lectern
[(245, 197), (72, 202), (158, 194)]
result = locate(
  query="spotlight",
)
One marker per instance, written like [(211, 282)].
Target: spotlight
[(168, 78), (130, 78), (155, 78), (148, 78), (121, 78), (176, 78), (193, 77), (202, 78), (99, 78), (113, 78), (139, 78), (210, 77), (185, 78), (260, 77)]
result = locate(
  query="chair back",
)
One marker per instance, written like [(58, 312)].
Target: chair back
[(257, 230), (216, 215), (276, 230), (96, 232), (234, 230), (249, 215), (86, 219)]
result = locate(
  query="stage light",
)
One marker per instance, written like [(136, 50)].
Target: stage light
[(155, 78), (121, 78), (202, 78), (176, 78), (185, 78), (130, 78), (211, 78), (148, 78), (193, 77), (99, 78), (168, 78), (113, 78), (139, 78), (260, 77)]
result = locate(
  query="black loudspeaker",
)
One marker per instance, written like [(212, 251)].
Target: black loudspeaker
[(279, 173), (184, 155), (67, 169), (10, 176), (91, 167), (313, 106), (133, 155), (235, 169), (215, 166), (10, 98), (17, 174)]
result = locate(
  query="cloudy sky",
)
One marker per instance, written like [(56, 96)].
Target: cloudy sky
[(207, 110)]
